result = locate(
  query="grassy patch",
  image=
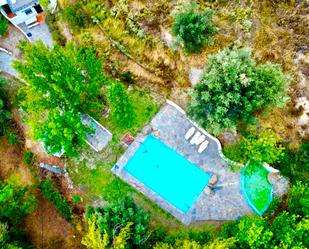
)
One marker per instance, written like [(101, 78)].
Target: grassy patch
[(256, 185)]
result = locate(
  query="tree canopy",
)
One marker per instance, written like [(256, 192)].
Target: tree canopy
[(194, 28), (61, 84), (233, 88), (15, 201), (115, 217), (122, 109)]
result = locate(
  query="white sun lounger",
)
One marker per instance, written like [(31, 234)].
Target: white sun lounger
[(200, 139), (189, 133), (195, 137), (203, 146)]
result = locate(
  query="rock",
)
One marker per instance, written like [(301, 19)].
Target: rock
[(156, 133), (195, 75), (147, 129), (213, 180)]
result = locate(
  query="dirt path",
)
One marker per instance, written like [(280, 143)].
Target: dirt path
[(45, 228)]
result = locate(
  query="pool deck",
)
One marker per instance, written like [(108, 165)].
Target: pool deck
[(225, 203)]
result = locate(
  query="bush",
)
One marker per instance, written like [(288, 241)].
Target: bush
[(293, 164), (263, 147), (49, 191), (298, 199), (121, 106), (115, 216), (3, 25), (76, 16), (194, 28), (29, 157), (15, 201), (233, 88)]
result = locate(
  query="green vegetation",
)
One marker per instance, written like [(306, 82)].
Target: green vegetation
[(263, 147), (112, 218), (194, 28), (121, 106), (3, 25), (5, 115), (233, 88), (15, 201), (294, 164), (256, 185), (52, 194), (94, 240), (63, 82)]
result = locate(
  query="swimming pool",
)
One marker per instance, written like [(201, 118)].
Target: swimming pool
[(167, 173)]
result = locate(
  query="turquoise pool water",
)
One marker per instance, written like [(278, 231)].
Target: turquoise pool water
[(167, 173)]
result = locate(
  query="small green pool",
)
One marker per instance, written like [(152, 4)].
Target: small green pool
[(255, 187)]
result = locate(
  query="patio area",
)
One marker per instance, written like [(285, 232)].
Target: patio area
[(226, 202)]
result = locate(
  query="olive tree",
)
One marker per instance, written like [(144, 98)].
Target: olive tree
[(233, 88)]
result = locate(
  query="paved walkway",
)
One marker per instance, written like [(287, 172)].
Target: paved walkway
[(40, 32), (225, 203), (6, 63)]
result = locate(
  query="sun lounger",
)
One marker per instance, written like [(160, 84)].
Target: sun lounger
[(189, 133), (195, 137), (203, 146), (200, 139)]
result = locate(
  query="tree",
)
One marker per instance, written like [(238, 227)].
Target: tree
[(5, 115), (263, 147), (121, 106), (15, 201), (298, 199), (62, 83), (194, 28), (94, 240), (233, 88), (3, 25), (112, 218)]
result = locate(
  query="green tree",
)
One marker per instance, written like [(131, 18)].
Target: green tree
[(5, 115), (263, 147), (298, 199), (3, 25), (294, 164), (121, 106), (62, 83), (112, 218), (15, 201), (94, 240), (233, 88), (194, 28)]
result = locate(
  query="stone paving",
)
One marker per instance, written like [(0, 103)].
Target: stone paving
[(101, 136), (224, 203), (40, 32), (6, 63)]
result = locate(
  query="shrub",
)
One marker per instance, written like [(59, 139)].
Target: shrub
[(115, 216), (15, 201), (263, 147), (76, 16), (194, 28), (294, 163), (121, 106), (49, 191), (233, 88), (29, 157), (3, 25), (298, 199)]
